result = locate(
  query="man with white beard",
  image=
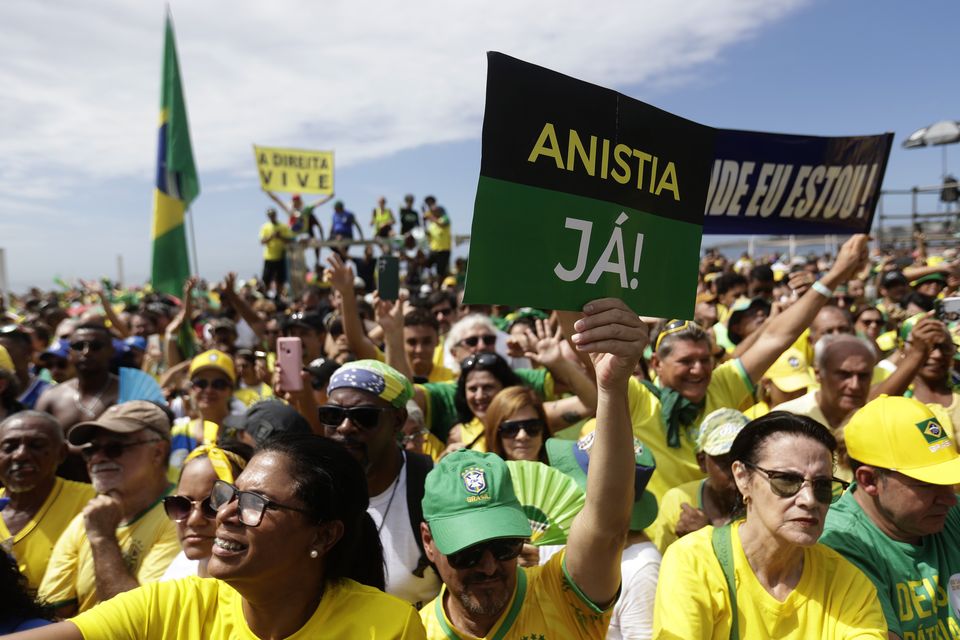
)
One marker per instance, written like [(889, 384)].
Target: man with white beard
[(41, 505), (122, 538)]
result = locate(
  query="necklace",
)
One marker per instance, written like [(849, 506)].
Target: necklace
[(396, 483), (87, 409)]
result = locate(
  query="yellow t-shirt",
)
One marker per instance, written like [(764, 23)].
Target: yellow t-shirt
[(471, 435), (438, 373), (757, 410), (545, 604), (663, 531), (275, 249), (205, 609), (34, 543), (148, 543), (729, 387), (833, 600), (438, 235)]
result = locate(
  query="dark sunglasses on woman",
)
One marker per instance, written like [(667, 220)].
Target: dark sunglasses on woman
[(218, 385), (510, 428), (178, 508)]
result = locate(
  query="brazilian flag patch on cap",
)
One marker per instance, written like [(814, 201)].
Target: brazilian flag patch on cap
[(932, 430)]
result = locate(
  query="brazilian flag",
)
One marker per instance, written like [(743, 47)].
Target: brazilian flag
[(177, 184)]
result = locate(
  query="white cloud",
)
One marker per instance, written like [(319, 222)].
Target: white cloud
[(81, 80)]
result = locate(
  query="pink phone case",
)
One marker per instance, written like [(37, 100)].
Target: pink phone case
[(290, 358)]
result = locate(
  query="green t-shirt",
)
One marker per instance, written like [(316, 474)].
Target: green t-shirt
[(441, 413), (918, 585)]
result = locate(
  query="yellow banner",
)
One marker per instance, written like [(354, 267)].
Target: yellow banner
[(294, 170)]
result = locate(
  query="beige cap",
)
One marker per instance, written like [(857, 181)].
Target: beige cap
[(128, 417)]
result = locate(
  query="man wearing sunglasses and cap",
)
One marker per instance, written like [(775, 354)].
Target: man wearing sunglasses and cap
[(899, 522), (122, 539), (666, 415), (366, 412), (474, 527)]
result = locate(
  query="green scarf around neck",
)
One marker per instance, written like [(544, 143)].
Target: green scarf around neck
[(675, 410)]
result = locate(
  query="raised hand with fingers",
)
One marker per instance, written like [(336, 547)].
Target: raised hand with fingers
[(546, 344), (339, 274), (615, 338)]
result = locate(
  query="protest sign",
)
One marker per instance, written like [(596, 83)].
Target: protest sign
[(584, 193), (294, 170), (767, 183)]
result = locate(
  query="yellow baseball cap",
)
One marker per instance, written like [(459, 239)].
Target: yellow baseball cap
[(214, 359), (904, 435), (6, 362), (790, 372)]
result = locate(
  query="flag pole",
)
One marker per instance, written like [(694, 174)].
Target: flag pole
[(193, 243)]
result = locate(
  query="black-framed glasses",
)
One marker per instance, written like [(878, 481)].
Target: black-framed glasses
[(484, 359), (179, 508), (113, 449), (84, 345), (510, 428), (786, 485), (218, 385), (363, 417), (502, 550), (488, 339), (250, 506)]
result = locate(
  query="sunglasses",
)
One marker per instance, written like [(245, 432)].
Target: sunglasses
[(502, 550), (510, 428), (787, 485), (250, 506), (478, 359), (218, 385), (488, 340), (674, 326), (363, 417), (84, 345), (443, 312), (179, 508), (112, 450)]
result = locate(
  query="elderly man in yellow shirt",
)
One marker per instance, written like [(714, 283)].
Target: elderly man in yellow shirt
[(123, 538), (41, 505), (666, 415)]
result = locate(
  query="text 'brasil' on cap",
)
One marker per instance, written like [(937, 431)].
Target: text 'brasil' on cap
[(904, 435), (469, 498)]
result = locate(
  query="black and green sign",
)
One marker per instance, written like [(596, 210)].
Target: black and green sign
[(585, 193)]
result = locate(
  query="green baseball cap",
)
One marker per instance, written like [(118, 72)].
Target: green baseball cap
[(468, 498), (573, 458)]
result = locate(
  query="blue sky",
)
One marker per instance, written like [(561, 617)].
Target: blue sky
[(399, 96)]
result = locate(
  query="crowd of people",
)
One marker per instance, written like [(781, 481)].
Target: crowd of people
[(780, 465)]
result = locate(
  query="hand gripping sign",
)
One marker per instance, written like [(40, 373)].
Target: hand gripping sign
[(585, 193)]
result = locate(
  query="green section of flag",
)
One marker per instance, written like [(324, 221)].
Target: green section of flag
[(179, 153), (171, 267), (522, 253), (177, 184)]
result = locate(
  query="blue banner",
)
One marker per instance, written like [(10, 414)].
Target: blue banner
[(778, 184)]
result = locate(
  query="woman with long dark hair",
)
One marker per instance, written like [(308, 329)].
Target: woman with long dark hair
[(295, 553)]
